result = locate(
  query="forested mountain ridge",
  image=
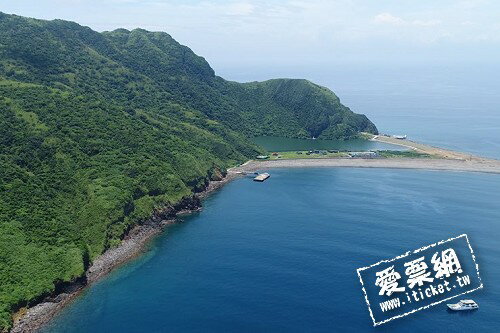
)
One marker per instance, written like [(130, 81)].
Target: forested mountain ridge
[(298, 108), (97, 130), (131, 67)]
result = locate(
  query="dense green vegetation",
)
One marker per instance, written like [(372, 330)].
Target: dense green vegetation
[(343, 154), (97, 130), (306, 154), (297, 108), (77, 173)]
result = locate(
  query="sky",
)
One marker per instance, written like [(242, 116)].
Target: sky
[(298, 33)]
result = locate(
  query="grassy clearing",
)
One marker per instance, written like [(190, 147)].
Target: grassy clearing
[(304, 154), (329, 154), (403, 154)]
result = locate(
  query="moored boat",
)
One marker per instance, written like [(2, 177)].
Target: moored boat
[(465, 304)]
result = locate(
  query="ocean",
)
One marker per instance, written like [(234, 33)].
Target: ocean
[(281, 256), (449, 106)]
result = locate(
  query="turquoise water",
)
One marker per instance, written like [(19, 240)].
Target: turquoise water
[(281, 256), (286, 144)]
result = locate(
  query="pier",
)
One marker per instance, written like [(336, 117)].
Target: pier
[(262, 177)]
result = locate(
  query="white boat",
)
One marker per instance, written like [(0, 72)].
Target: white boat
[(465, 304)]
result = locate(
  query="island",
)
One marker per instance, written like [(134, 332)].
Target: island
[(106, 137)]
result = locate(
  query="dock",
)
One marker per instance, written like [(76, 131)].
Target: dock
[(261, 177)]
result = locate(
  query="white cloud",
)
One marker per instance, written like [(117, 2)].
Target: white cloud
[(466, 23), (240, 9), (259, 30), (388, 18), (428, 23)]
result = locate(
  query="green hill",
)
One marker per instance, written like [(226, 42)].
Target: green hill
[(97, 130)]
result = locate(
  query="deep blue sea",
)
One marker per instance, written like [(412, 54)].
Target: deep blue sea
[(281, 256)]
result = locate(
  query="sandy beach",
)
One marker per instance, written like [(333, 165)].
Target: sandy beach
[(479, 165), (426, 149), (442, 159)]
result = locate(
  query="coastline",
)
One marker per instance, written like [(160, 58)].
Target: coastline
[(442, 159), (133, 245), (483, 165), (426, 149), (138, 237)]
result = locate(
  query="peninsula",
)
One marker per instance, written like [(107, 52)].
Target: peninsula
[(102, 133), (106, 137), (424, 157)]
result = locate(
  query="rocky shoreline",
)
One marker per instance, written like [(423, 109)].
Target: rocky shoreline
[(33, 318), (133, 244)]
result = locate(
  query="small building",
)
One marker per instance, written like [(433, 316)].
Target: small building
[(363, 154), (399, 137), (262, 157)]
